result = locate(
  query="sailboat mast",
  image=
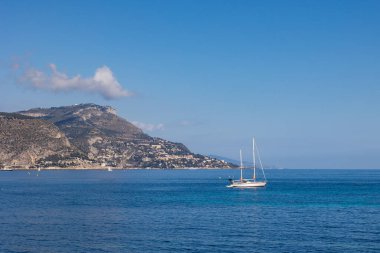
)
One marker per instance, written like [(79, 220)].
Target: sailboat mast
[(241, 166), (254, 158)]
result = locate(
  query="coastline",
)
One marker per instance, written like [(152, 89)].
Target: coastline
[(185, 168), (115, 168)]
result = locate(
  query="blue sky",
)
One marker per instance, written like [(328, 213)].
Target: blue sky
[(302, 76)]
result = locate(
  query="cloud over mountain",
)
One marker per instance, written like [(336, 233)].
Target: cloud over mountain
[(148, 127), (103, 82)]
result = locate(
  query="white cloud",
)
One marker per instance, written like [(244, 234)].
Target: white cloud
[(148, 127), (185, 123), (103, 82)]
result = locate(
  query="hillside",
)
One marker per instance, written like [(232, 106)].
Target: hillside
[(90, 136), (27, 141)]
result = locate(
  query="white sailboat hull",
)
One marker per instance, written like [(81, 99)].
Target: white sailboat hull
[(246, 184)]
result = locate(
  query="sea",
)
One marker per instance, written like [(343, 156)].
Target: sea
[(189, 211)]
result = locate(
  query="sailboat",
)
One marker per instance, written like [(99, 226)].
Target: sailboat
[(252, 182)]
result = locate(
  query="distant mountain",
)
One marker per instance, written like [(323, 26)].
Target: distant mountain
[(245, 163), (226, 159), (88, 136)]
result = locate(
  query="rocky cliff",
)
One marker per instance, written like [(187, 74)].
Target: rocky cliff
[(87, 136), (25, 141)]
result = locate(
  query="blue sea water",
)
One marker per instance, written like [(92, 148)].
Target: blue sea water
[(189, 211)]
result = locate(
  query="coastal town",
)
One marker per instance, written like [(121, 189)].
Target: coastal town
[(157, 153)]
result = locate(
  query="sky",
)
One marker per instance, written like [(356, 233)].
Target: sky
[(303, 77)]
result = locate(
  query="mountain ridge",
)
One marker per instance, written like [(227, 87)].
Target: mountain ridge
[(88, 136)]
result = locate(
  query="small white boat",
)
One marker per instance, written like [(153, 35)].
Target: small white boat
[(252, 182), (6, 169), (109, 169)]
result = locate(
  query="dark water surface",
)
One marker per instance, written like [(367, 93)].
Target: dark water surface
[(189, 211)]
